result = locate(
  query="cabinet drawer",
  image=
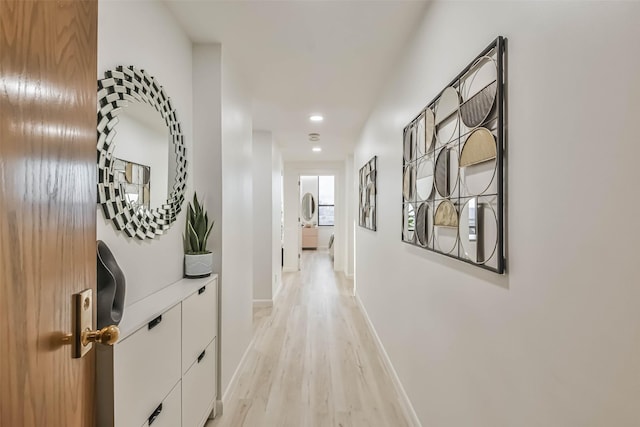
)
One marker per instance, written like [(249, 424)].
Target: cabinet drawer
[(309, 232), (169, 414), (199, 322), (199, 389), (309, 242), (146, 366)]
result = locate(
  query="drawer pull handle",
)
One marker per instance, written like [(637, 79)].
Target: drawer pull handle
[(201, 356), (201, 290), (155, 414), (155, 322)]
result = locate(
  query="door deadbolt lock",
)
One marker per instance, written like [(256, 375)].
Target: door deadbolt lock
[(83, 335)]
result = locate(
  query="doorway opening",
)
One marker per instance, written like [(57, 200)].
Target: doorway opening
[(317, 214)]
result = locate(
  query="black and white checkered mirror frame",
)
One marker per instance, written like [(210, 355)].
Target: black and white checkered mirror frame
[(120, 87)]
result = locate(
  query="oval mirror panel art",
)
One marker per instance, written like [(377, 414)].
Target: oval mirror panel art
[(453, 166), (368, 191)]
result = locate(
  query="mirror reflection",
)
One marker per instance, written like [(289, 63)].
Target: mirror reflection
[(479, 88), (446, 227), (424, 179), (478, 229), (409, 222), (423, 224), (429, 130), (446, 115), (420, 136), (409, 143), (144, 163), (134, 180), (409, 182), (446, 172), (478, 161)]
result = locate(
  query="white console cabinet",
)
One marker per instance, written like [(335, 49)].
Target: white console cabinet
[(162, 371)]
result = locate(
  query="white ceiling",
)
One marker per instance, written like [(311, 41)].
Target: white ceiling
[(304, 57)]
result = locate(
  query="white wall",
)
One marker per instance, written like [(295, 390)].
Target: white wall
[(237, 220), (276, 218), (292, 170), (207, 163), (266, 216), (223, 168), (291, 237), (555, 342), (145, 35), (207, 131), (350, 212), (324, 234)]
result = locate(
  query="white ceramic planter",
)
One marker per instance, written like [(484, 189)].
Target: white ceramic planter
[(198, 265)]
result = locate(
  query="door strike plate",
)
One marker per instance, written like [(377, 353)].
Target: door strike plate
[(82, 321)]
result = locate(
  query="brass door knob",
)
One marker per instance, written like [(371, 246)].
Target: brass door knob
[(108, 336)]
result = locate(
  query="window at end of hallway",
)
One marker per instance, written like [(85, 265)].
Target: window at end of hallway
[(326, 200)]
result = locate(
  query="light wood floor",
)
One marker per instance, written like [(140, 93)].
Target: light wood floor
[(314, 362)]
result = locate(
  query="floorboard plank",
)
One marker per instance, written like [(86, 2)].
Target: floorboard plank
[(314, 362)]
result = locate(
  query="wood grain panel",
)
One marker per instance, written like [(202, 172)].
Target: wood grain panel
[(47, 207)]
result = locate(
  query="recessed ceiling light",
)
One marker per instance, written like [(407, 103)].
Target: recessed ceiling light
[(317, 149), (314, 137), (316, 118)]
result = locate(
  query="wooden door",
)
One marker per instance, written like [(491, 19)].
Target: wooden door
[(47, 207)]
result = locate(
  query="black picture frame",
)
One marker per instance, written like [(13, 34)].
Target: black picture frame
[(368, 194), (480, 113)]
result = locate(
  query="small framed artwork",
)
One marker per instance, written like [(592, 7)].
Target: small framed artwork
[(368, 191)]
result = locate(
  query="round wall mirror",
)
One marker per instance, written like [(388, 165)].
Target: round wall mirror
[(142, 168), (308, 207)]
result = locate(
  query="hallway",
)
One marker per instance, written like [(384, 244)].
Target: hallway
[(314, 362)]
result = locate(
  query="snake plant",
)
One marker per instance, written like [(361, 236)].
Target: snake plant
[(197, 229)]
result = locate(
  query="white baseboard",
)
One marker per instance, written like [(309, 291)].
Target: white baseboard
[(289, 270), (405, 402), (277, 292), (262, 303), (218, 409), (234, 378)]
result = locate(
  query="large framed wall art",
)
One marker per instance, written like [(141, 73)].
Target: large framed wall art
[(368, 191), (454, 168)]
